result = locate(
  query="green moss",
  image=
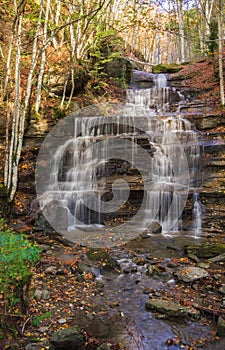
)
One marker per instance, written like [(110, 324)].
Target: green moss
[(166, 68), (206, 250)]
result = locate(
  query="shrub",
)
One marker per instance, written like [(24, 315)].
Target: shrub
[(17, 256)]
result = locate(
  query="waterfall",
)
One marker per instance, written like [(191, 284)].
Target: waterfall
[(120, 166)]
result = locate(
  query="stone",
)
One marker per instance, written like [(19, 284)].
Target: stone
[(203, 265), (33, 346), (43, 329), (167, 307), (38, 294), (106, 261), (139, 260), (154, 227), (190, 274), (62, 321), (50, 270), (218, 258), (222, 290), (205, 250), (45, 294), (194, 258), (69, 338), (221, 326), (152, 270)]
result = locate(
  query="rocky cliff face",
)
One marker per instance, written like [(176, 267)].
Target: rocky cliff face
[(210, 125)]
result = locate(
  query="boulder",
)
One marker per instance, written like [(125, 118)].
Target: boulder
[(190, 274), (68, 339), (167, 307), (104, 259), (205, 250), (119, 68)]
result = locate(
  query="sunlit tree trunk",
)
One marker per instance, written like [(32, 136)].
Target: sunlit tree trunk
[(20, 109), (220, 39), (43, 57), (180, 16)]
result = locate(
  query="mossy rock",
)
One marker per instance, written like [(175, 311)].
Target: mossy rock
[(104, 259), (205, 250), (166, 68), (119, 68), (69, 338)]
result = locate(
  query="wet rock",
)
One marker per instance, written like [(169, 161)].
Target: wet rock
[(106, 261), (154, 227), (139, 260), (218, 258), (206, 250), (95, 272), (190, 274), (152, 270), (193, 257), (69, 338), (221, 326), (203, 265), (167, 307)]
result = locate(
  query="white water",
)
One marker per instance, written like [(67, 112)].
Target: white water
[(197, 215)]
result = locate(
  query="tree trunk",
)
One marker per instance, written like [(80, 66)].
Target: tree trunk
[(220, 39)]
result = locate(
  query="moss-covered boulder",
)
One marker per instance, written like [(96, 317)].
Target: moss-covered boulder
[(104, 260), (166, 68), (205, 250), (68, 339)]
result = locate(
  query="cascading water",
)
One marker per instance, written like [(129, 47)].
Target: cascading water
[(89, 183), (197, 215)]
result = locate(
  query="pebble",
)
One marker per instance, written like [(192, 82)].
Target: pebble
[(38, 294), (62, 321), (45, 294), (51, 270), (43, 329), (222, 290)]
